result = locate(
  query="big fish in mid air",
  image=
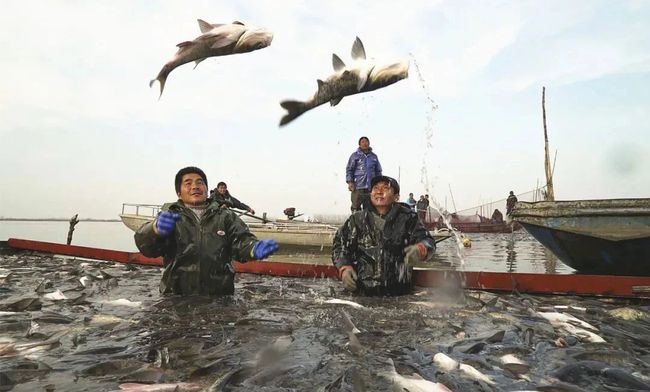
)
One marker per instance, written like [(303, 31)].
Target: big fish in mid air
[(216, 40), (361, 77)]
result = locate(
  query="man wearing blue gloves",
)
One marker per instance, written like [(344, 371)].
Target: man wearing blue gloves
[(198, 240)]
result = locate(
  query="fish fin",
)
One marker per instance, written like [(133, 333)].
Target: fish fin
[(205, 26), (162, 84), (320, 83), (362, 81), (184, 44), (238, 22), (196, 62), (294, 109), (358, 51), (335, 101), (222, 42), (337, 63)]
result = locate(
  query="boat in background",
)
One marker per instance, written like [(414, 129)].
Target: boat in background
[(610, 236), (285, 232)]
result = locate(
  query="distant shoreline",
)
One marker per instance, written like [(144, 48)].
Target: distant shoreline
[(57, 220)]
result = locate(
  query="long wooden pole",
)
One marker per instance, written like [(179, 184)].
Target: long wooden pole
[(550, 195)]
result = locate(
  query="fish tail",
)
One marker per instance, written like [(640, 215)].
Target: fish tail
[(162, 81), (294, 109), (161, 78)]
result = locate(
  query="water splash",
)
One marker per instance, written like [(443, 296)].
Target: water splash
[(424, 173)]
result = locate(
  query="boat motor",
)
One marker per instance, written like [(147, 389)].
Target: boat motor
[(290, 212)]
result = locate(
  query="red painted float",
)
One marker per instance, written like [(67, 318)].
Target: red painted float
[(590, 285)]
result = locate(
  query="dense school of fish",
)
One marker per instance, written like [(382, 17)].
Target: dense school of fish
[(75, 325)]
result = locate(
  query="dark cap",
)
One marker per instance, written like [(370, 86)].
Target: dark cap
[(188, 170), (390, 180)]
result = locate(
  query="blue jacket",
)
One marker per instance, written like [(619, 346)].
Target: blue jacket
[(362, 168)]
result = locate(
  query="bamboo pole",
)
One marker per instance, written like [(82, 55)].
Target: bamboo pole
[(550, 195)]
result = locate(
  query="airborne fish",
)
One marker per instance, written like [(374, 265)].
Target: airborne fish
[(216, 40), (362, 77)]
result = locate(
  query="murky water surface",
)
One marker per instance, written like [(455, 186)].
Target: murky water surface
[(282, 334)]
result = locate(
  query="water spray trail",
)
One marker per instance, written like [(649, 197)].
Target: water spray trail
[(424, 174)]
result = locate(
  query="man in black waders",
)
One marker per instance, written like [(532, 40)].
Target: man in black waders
[(375, 249)]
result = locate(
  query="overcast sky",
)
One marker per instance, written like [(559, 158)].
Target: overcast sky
[(82, 132)]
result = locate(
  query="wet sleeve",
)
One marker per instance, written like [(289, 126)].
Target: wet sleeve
[(241, 239), (349, 169), (149, 244), (238, 204), (342, 251), (419, 233), (378, 173)]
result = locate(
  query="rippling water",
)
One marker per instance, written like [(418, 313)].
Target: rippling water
[(291, 334), (516, 252)]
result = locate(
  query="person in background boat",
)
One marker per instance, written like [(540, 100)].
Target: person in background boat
[(198, 240), (426, 213), (362, 167), (497, 216), (510, 202), (376, 248), (411, 201), (421, 208), (221, 195)]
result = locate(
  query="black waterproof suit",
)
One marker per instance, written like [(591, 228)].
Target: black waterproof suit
[(198, 255), (229, 201), (376, 254)]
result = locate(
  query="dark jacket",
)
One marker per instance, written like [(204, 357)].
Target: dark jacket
[(378, 255), (362, 168), (197, 256), (229, 201)]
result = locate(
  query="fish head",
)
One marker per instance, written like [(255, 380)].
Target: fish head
[(385, 75), (253, 39)]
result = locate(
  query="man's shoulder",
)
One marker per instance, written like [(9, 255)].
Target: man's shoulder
[(174, 205)]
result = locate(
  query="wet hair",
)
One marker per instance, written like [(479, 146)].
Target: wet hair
[(363, 137), (188, 170), (389, 180), (222, 183)]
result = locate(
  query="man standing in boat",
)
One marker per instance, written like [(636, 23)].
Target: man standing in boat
[(198, 240), (411, 201), (223, 197), (376, 248), (362, 167), (510, 202)]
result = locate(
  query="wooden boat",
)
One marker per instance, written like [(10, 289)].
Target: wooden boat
[(589, 285), (293, 233), (610, 236)]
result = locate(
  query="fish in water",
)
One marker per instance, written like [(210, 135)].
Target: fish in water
[(362, 76), (216, 40)]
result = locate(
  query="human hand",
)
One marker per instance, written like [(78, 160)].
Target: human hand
[(264, 248), (165, 223), (414, 253), (350, 186), (348, 278)]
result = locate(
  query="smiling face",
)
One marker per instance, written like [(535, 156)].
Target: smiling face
[(194, 191), (382, 196)]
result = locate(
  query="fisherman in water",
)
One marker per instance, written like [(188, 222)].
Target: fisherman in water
[(376, 248), (198, 240)]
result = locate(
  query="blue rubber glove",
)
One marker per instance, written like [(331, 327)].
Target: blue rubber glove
[(264, 248), (166, 222)]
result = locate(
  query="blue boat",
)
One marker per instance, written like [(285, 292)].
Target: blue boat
[(607, 237)]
